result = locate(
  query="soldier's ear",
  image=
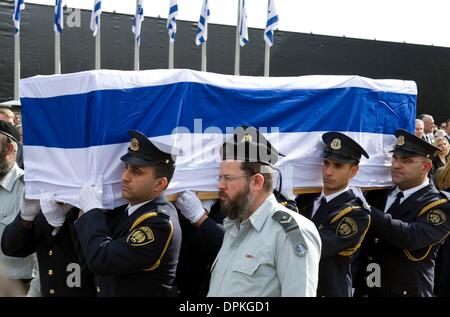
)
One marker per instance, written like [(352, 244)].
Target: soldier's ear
[(354, 170), (161, 184)]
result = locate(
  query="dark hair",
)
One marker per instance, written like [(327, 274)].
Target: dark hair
[(164, 170), (252, 168)]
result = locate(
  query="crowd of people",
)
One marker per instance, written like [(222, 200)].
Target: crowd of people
[(252, 241)]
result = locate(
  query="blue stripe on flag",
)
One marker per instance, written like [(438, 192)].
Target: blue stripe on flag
[(103, 117)]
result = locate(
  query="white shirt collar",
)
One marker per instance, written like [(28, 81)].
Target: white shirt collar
[(330, 197), (410, 191), (131, 209)]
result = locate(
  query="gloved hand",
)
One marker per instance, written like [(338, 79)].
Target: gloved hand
[(358, 193), (90, 197), (30, 209), (54, 212), (190, 206), (207, 204)]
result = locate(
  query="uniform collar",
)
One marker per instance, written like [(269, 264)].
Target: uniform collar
[(330, 197), (14, 173), (410, 191)]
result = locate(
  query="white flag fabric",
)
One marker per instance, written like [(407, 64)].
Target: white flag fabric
[(202, 26), (75, 125), (59, 16), (272, 22), (95, 16), (243, 29), (171, 20), (137, 22), (19, 5)]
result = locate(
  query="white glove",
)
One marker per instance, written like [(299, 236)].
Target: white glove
[(30, 209), (207, 204), (54, 212), (190, 206), (90, 197), (358, 193)]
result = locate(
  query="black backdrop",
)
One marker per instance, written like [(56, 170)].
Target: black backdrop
[(294, 54)]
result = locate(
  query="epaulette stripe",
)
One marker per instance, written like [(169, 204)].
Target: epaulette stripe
[(142, 218), (343, 212), (410, 256), (432, 205), (158, 262), (350, 251)]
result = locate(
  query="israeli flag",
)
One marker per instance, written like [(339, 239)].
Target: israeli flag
[(272, 22), (59, 17), (19, 5), (75, 125), (171, 20), (95, 16), (243, 30), (202, 26), (137, 22)]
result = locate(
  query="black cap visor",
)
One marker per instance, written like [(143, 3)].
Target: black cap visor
[(137, 161), (339, 158)]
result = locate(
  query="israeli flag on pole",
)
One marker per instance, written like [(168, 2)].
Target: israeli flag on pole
[(75, 125), (202, 26), (171, 20), (137, 22), (243, 30), (59, 17), (18, 6), (272, 22), (95, 15)]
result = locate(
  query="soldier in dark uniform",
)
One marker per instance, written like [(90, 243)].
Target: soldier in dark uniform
[(341, 218), (409, 222), (36, 229), (133, 249)]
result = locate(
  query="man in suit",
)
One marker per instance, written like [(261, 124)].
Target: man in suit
[(133, 250), (409, 222), (428, 125), (341, 217)]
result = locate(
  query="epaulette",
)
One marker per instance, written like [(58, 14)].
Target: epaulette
[(343, 212), (292, 230), (142, 218)]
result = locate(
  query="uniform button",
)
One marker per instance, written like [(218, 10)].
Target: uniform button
[(52, 291), (98, 289), (50, 272), (405, 292), (369, 258), (365, 295), (375, 240), (50, 252)]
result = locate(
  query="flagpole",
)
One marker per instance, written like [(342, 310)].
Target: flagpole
[(57, 53), (267, 61), (98, 46), (237, 48), (204, 57), (16, 65), (136, 55), (171, 47)]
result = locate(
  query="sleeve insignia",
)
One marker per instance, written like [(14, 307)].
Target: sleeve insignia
[(436, 217), (140, 236), (347, 228)]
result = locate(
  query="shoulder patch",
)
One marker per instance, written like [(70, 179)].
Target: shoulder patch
[(347, 228), (436, 217), (292, 230), (140, 236)]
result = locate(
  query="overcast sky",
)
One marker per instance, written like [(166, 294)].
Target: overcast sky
[(411, 21)]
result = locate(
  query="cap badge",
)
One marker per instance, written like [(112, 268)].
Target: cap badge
[(247, 138), (134, 144), (401, 140), (336, 144)]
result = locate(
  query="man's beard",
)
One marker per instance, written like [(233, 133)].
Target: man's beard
[(238, 207), (4, 164)]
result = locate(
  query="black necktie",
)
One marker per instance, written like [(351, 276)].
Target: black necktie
[(322, 210), (396, 203)]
